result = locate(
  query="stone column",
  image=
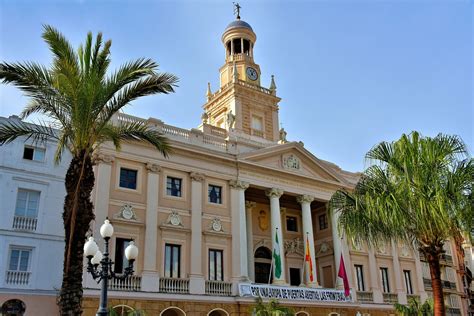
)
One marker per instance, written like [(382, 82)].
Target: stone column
[(305, 201), (150, 275), (239, 233), (419, 277), (374, 277), (196, 276), (249, 207), (274, 194), (401, 293), (337, 247)]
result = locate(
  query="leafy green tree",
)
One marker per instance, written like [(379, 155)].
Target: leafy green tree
[(415, 308), (415, 190), (272, 308), (79, 95)]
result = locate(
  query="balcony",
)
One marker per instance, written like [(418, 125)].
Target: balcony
[(444, 259), (453, 311), (218, 288), (132, 283), (174, 286), (24, 223), (413, 296), (365, 297), (21, 278), (447, 285), (390, 298)]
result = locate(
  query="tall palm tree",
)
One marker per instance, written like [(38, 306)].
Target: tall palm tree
[(415, 190), (81, 98), (415, 308)]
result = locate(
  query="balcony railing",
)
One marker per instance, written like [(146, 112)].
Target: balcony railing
[(24, 223), (218, 288), (174, 286), (17, 277), (427, 283), (390, 298), (453, 311), (132, 283), (413, 296), (365, 297), (447, 285)]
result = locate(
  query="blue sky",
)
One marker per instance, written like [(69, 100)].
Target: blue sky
[(350, 73)]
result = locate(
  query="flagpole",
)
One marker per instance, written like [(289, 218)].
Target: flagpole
[(270, 274)]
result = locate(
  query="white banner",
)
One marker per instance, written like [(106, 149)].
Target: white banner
[(292, 293)]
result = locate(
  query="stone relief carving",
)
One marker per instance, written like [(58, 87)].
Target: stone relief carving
[(262, 220), (291, 162), (230, 119), (102, 158), (126, 212), (199, 177), (294, 246), (216, 225), (274, 192), (356, 245), (174, 219), (237, 184), (324, 248), (152, 167), (405, 250), (382, 248), (304, 199)]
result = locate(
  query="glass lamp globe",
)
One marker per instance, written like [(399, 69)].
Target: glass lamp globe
[(90, 248), (131, 252), (97, 258), (106, 230)]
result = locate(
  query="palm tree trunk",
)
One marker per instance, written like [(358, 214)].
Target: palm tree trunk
[(435, 271), (77, 215)]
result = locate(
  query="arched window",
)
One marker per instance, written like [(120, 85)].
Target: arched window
[(13, 308), (173, 311), (121, 310), (218, 312), (334, 314), (263, 261), (302, 314)]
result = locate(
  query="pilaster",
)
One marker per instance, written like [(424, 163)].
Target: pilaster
[(196, 276), (374, 277), (402, 295), (249, 207)]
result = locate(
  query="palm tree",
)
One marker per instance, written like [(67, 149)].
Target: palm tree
[(415, 308), (415, 190), (272, 308), (81, 98)]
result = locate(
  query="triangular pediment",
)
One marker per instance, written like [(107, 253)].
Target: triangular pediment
[(294, 158)]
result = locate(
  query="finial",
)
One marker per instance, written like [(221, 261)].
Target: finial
[(208, 93), (235, 74), (273, 86), (237, 8)]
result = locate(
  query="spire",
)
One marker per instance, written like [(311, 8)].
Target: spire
[(273, 86), (208, 93), (235, 74)]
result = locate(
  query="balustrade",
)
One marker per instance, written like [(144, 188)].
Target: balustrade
[(17, 277), (131, 283), (24, 223), (453, 311), (218, 288), (365, 297), (390, 298), (413, 296), (174, 286)]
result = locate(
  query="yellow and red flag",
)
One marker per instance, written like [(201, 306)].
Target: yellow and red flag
[(308, 259)]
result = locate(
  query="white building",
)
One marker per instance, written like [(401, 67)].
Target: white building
[(31, 229)]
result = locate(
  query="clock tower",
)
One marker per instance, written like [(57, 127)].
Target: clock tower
[(242, 106)]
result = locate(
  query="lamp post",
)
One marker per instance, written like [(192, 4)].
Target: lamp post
[(105, 272)]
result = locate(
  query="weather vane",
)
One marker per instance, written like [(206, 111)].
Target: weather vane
[(237, 8)]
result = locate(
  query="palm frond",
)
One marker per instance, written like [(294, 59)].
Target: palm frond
[(11, 130)]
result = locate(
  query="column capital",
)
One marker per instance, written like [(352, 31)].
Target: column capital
[(274, 192), (195, 176), (305, 198), (153, 167), (238, 184), (250, 205), (99, 158)]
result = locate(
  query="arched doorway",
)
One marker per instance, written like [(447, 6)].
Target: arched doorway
[(13, 308), (218, 312), (263, 261), (173, 311)]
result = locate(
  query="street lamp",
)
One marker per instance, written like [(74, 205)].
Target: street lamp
[(105, 272)]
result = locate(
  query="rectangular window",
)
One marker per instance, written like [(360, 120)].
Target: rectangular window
[(360, 277), (407, 275), (27, 202), (216, 266), (291, 224), (173, 186), (215, 194), (257, 123), (19, 259), (172, 261), (385, 283), (128, 178), (33, 153), (295, 276), (121, 261), (323, 222)]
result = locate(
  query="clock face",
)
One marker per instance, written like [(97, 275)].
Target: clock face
[(252, 73)]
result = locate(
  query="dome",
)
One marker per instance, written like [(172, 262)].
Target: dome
[(238, 24)]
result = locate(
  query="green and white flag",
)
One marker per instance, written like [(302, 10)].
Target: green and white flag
[(276, 256)]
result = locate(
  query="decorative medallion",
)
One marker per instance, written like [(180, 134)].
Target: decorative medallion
[(174, 219), (294, 246), (126, 212), (324, 247), (291, 162), (382, 248), (404, 250), (263, 220), (216, 225)]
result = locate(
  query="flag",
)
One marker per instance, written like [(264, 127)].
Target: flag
[(276, 256), (343, 275), (308, 259)]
